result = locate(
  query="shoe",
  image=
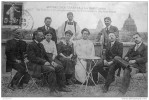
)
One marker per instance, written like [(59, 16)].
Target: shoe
[(20, 86), (69, 82), (105, 89), (64, 89), (55, 93), (12, 87)]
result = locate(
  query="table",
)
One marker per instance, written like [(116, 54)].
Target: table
[(89, 75)]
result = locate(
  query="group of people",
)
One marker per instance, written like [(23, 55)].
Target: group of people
[(59, 59)]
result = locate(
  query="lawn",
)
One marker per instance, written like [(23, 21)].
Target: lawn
[(138, 88)]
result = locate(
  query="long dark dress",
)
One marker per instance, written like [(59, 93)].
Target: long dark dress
[(66, 49)]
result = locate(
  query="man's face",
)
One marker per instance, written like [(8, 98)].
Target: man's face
[(85, 35), (48, 22), (112, 37), (107, 22), (68, 36), (137, 39), (48, 37), (39, 36), (70, 17)]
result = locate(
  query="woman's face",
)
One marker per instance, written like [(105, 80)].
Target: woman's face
[(48, 37), (85, 35), (68, 36)]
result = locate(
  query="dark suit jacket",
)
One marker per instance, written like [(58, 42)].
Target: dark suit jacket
[(14, 51), (105, 33), (140, 55), (37, 57), (115, 50), (54, 37)]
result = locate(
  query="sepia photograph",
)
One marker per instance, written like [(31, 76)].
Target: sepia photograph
[(74, 49)]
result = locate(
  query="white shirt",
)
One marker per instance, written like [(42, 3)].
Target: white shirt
[(108, 27), (50, 47), (46, 27)]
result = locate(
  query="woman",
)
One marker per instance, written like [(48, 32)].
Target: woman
[(83, 47), (65, 55)]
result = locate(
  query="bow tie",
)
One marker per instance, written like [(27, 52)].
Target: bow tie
[(70, 23)]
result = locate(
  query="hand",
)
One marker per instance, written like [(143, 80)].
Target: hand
[(54, 64), (126, 58), (105, 62), (26, 60), (109, 63), (47, 64), (18, 61), (132, 61)]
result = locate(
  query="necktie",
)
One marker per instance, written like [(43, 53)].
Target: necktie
[(137, 46), (107, 31)]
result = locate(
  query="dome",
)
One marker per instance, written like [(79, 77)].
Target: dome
[(129, 25)]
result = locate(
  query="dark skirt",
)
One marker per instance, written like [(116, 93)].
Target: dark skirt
[(68, 64)]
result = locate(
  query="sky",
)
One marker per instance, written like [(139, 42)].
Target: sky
[(87, 14)]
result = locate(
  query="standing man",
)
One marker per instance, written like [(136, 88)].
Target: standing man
[(103, 35), (113, 49), (47, 27), (15, 50), (40, 63), (134, 61), (70, 24)]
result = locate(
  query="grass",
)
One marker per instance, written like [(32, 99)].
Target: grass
[(137, 88)]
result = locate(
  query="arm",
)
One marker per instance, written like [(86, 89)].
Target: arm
[(78, 32), (55, 51), (61, 32), (143, 58), (9, 51), (116, 31), (54, 36)]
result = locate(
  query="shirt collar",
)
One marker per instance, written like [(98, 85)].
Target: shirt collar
[(36, 41), (113, 42), (139, 44), (16, 39), (108, 27)]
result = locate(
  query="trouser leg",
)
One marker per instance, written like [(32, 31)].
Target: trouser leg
[(60, 76), (51, 76), (125, 80), (111, 75), (18, 77)]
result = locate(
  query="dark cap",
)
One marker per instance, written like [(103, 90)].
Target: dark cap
[(69, 32), (69, 13), (108, 18)]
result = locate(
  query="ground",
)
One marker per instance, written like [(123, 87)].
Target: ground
[(138, 88)]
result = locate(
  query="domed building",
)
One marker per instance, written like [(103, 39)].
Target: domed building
[(129, 25)]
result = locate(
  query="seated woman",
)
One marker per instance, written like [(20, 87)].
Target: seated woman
[(50, 48), (65, 55), (83, 47)]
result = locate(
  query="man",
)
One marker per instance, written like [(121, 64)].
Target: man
[(113, 49), (134, 61), (105, 32), (70, 24), (47, 27), (39, 63), (15, 50)]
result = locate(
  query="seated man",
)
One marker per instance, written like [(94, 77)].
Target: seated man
[(133, 62), (39, 62), (15, 49), (113, 49)]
